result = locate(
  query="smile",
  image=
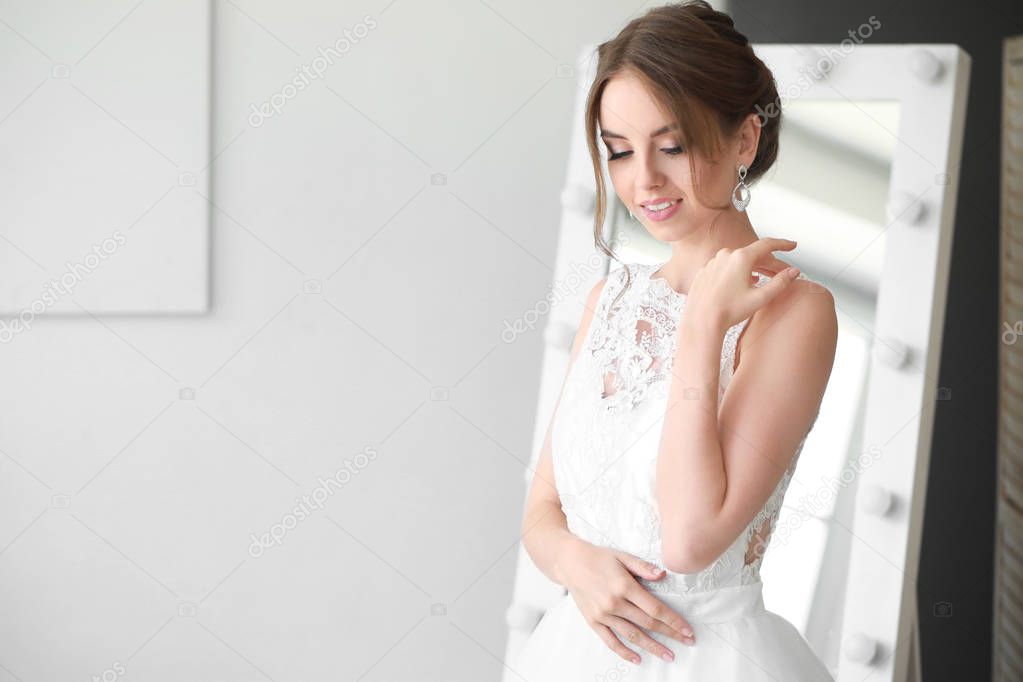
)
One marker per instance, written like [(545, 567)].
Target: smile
[(662, 210)]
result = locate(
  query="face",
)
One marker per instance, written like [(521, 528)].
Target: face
[(649, 168)]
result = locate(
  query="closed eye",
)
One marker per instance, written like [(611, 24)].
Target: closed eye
[(671, 151)]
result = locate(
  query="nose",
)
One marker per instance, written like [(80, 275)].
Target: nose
[(648, 176)]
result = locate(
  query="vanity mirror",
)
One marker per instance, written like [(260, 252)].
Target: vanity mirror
[(866, 183)]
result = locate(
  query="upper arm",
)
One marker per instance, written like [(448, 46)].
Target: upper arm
[(543, 487), (771, 402)]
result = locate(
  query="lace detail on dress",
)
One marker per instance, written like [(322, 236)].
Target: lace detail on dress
[(607, 433), (635, 342)]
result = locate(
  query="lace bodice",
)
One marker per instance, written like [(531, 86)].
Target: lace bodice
[(608, 427)]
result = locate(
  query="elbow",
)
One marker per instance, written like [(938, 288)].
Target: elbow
[(684, 557), (684, 562)]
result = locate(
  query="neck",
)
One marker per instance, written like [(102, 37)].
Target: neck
[(689, 254)]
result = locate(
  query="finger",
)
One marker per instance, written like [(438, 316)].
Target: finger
[(615, 644), (638, 637), (639, 567), (775, 286), (770, 265), (765, 245), (631, 612), (659, 610)]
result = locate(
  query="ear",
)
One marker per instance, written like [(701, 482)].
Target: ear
[(749, 138)]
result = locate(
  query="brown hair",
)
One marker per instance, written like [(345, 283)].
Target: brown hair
[(703, 72)]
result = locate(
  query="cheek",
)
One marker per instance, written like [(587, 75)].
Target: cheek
[(715, 177), (683, 175), (620, 182)]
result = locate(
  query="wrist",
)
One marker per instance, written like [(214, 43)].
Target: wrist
[(564, 557), (702, 326)]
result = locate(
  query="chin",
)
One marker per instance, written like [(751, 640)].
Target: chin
[(669, 230)]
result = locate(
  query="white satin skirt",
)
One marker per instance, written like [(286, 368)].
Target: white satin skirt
[(736, 639)]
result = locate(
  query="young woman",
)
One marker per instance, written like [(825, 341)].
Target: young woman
[(657, 490)]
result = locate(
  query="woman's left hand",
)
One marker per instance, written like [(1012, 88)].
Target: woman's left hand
[(722, 293)]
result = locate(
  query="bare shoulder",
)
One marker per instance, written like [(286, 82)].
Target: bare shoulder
[(589, 309), (618, 277), (592, 301), (805, 309), (807, 296), (594, 296)]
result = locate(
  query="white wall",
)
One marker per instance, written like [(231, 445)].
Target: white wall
[(127, 502)]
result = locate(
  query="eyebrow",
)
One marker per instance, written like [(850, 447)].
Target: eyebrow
[(659, 131)]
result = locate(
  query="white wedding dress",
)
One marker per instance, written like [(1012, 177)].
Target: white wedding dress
[(604, 449)]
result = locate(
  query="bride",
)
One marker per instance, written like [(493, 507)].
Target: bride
[(657, 490)]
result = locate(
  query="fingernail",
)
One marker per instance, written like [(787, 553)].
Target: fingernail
[(688, 632), (668, 656)]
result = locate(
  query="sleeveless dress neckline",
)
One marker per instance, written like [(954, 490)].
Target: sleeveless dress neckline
[(662, 283)]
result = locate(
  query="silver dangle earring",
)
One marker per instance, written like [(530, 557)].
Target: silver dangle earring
[(742, 201)]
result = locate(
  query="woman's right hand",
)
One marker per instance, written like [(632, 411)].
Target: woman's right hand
[(602, 582)]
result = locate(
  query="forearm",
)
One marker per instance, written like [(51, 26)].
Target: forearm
[(690, 473), (545, 536)]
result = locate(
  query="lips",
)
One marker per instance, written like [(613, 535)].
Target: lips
[(663, 212)]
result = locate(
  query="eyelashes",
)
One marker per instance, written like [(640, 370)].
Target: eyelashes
[(670, 151)]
